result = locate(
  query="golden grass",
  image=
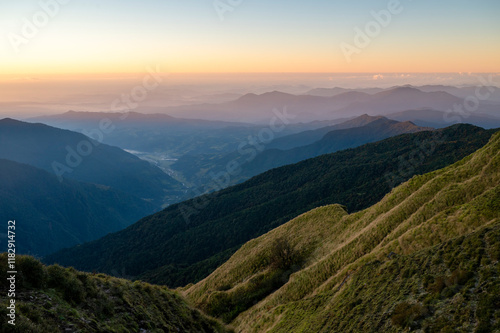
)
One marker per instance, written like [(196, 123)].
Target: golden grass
[(426, 211)]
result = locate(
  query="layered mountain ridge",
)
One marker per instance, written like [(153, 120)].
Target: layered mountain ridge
[(75, 156), (186, 242), (425, 257)]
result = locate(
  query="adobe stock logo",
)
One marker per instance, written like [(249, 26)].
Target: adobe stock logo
[(31, 26), (224, 6), (372, 29), (75, 155), (471, 103)]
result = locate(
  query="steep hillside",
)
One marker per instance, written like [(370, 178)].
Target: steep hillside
[(186, 242), (55, 299), (74, 156), (425, 257), (52, 215)]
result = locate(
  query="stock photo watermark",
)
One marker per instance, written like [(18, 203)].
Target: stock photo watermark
[(371, 30), (11, 271), (408, 164), (222, 7), (249, 149), (128, 101), (457, 114), (32, 25), (471, 103), (138, 93)]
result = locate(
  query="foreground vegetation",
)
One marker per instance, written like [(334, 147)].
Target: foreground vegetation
[(425, 257), (56, 299), (180, 251)]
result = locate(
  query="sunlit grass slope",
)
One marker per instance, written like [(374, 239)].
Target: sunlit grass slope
[(426, 256)]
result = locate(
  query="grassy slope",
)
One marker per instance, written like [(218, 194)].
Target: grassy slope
[(179, 253), (343, 279), (55, 299)]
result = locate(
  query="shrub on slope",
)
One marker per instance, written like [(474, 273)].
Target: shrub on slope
[(53, 299), (421, 215), (179, 252)]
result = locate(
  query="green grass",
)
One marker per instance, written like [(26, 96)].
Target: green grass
[(181, 252), (445, 288), (441, 231), (52, 299), (425, 258)]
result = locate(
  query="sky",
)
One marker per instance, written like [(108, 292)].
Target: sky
[(71, 37)]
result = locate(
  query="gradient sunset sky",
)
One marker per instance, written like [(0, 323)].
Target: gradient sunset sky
[(122, 36)]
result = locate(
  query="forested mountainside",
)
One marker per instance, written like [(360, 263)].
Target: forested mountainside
[(253, 160), (425, 257), (75, 156), (186, 242), (52, 215)]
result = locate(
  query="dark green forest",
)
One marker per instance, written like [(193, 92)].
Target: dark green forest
[(52, 215), (187, 241)]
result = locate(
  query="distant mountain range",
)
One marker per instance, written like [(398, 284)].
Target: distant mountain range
[(74, 156), (201, 169), (51, 215), (400, 98), (330, 92), (306, 108), (357, 216), (308, 137), (187, 241), (440, 119), (164, 134), (461, 92), (377, 129), (218, 128), (79, 120), (153, 132)]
